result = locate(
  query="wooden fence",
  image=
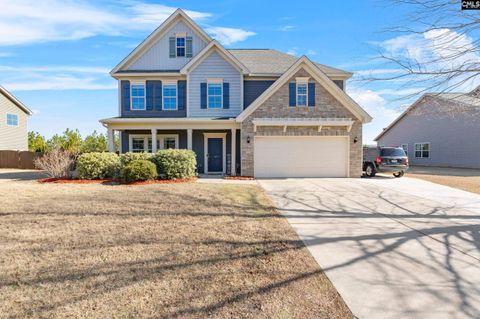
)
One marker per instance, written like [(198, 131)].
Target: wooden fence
[(18, 159)]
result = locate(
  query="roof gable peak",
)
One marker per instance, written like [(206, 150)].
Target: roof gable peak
[(149, 41)]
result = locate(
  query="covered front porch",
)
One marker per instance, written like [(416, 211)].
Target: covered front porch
[(216, 142)]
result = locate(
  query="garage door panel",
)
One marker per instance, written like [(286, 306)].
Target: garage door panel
[(301, 156)]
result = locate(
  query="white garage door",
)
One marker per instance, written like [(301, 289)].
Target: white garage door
[(301, 156)]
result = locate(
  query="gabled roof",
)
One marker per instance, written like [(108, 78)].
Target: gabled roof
[(15, 101), (214, 46), (321, 78), (273, 62), (157, 33), (464, 98)]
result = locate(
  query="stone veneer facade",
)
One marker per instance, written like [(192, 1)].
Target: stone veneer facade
[(326, 106)]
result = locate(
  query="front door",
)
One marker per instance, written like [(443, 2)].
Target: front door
[(215, 155)]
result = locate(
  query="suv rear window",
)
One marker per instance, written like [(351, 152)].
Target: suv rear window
[(392, 152)]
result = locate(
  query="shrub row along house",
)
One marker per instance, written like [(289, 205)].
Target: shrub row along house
[(439, 129), (255, 112)]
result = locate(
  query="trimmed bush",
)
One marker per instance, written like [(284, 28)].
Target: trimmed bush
[(139, 170), (175, 164), (98, 165), (129, 157)]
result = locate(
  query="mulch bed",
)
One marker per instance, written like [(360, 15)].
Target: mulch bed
[(243, 178), (115, 181)]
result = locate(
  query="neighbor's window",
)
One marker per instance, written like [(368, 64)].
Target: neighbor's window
[(12, 119), (138, 145), (180, 46), (405, 148), (138, 97), (422, 150), (170, 97), (214, 95), (301, 94)]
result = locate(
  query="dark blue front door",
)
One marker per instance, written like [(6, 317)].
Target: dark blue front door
[(215, 155)]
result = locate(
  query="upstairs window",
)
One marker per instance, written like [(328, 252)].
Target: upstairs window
[(180, 44), (170, 97), (214, 92), (302, 94), (138, 97), (12, 119)]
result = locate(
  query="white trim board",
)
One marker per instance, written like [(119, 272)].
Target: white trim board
[(206, 136), (321, 78)]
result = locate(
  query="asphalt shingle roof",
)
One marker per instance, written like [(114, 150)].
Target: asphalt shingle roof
[(268, 61)]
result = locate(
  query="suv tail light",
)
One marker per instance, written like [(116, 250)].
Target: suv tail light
[(378, 160), (406, 160)]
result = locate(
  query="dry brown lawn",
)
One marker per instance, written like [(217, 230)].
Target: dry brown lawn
[(154, 251), (461, 178)]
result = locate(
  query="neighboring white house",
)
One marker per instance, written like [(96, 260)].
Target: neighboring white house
[(13, 122)]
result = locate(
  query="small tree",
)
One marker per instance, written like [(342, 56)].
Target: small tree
[(70, 141), (56, 163), (94, 143), (36, 142)]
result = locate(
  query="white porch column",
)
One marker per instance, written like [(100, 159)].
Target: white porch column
[(110, 137), (189, 138), (154, 140), (233, 155)]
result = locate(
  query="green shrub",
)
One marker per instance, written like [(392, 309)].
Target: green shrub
[(98, 165), (175, 164), (127, 158), (139, 170)]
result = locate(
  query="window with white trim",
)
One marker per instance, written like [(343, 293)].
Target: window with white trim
[(405, 148), (170, 97), (180, 46), (143, 143), (138, 145), (138, 96), (302, 94), (422, 150), (12, 119), (170, 142), (214, 95)]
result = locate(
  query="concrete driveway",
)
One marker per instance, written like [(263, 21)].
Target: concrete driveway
[(393, 248)]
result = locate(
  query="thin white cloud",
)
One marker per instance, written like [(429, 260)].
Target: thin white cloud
[(376, 106), (62, 82), (228, 36), (33, 21), (34, 78), (286, 28), (311, 52), (437, 50)]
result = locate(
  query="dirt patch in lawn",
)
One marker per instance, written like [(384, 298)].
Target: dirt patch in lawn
[(154, 251)]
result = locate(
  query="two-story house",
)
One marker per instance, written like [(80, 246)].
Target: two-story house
[(254, 112), (13, 122)]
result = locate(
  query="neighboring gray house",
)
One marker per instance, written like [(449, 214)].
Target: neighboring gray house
[(255, 112), (13, 122), (439, 130)]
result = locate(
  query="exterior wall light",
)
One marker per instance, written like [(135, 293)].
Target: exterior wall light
[(355, 139), (248, 139)]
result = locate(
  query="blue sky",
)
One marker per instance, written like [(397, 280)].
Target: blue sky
[(55, 55)]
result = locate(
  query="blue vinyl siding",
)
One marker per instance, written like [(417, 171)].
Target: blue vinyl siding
[(252, 89), (214, 66), (154, 107), (158, 56)]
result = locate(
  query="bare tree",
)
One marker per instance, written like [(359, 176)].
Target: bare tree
[(443, 55)]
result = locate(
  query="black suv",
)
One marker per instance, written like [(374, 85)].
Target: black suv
[(384, 159)]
